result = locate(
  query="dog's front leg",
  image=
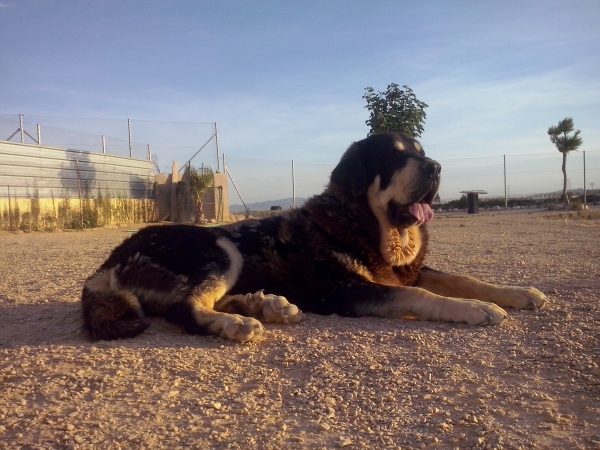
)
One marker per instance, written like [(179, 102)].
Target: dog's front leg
[(466, 287), (411, 302)]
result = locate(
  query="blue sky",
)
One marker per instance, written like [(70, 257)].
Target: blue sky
[(285, 79)]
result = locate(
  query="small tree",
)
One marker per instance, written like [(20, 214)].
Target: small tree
[(395, 110), (565, 143)]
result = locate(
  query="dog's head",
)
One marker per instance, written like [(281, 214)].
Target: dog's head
[(391, 169)]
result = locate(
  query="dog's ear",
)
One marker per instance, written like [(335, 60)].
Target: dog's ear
[(351, 172)]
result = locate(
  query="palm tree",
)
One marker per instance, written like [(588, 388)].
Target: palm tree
[(200, 181), (565, 143)]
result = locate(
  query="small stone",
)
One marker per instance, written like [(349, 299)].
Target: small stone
[(330, 401), (216, 405), (344, 442)]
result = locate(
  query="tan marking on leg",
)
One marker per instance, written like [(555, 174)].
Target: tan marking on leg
[(209, 292), (467, 287), (230, 326)]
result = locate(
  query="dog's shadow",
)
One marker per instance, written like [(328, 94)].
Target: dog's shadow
[(61, 323)]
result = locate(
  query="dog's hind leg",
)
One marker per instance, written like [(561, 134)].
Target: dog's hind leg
[(110, 312), (267, 308), (196, 314)]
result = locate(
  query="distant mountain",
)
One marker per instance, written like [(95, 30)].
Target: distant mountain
[(578, 191), (266, 205)]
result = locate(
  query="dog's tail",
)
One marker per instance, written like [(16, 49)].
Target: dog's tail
[(110, 312)]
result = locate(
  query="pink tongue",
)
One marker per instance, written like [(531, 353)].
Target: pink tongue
[(422, 211)]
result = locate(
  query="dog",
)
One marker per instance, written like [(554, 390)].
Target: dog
[(357, 249)]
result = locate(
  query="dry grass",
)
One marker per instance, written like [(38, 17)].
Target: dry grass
[(48, 214)]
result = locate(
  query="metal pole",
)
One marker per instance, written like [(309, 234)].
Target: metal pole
[(235, 186), (584, 184), (104, 144), (205, 144), (293, 186), (129, 129), (505, 192), (21, 128), (217, 142), (238, 191), (39, 131), (149, 153)]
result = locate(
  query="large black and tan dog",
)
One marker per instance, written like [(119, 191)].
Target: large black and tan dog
[(357, 249)]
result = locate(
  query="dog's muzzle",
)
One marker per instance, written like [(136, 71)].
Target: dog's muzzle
[(419, 210)]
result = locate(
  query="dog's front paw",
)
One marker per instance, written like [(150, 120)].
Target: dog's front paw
[(238, 328), (520, 297), (277, 309), (274, 308), (478, 313)]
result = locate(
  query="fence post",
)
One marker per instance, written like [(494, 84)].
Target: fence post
[(505, 194), (149, 153), (217, 144), (21, 128), (104, 144), (584, 184), (39, 133), (129, 129)]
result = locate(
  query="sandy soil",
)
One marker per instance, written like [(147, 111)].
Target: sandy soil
[(329, 382)]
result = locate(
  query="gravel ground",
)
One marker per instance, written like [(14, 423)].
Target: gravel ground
[(329, 382)]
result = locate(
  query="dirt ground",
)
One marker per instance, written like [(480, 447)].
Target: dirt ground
[(329, 382)]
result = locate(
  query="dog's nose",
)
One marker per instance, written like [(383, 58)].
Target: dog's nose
[(432, 169)]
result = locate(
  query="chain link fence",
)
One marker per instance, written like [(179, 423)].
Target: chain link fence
[(159, 141), (264, 183)]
